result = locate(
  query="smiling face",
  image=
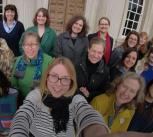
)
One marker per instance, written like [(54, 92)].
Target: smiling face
[(58, 81), (95, 53), (31, 47), (130, 60), (77, 27), (9, 14), (103, 26), (41, 19), (133, 40), (127, 91)]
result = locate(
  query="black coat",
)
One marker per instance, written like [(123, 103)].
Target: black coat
[(98, 82)]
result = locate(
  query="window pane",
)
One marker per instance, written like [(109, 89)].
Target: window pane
[(123, 32), (131, 16), (141, 2), (135, 1), (127, 15), (130, 24), (139, 10), (135, 25), (134, 7), (130, 6), (137, 16), (127, 31)]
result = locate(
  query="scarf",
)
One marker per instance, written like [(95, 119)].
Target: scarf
[(107, 47), (22, 65), (59, 111)]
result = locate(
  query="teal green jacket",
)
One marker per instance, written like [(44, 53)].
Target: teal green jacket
[(25, 84), (48, 41)]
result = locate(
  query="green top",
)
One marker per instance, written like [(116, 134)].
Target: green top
[(48, 40), (25, 84)]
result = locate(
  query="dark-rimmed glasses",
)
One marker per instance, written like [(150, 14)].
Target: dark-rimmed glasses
[(65, 81)]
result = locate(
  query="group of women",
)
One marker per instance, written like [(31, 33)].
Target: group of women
[(58, 76)]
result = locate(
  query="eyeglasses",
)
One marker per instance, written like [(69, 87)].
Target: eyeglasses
[(29, 46), (65, 81), (104, 24)]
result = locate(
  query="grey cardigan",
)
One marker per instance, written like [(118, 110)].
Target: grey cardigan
[(66, 48)]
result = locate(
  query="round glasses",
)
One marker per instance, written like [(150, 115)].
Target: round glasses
[(65, 81)]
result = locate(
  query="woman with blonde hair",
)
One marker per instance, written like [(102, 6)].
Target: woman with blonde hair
[(118, 105), (53, 109)]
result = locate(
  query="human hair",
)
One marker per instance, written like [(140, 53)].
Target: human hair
[(125, 43), (71, 70), (96, 40), (13, 8), (45, 14), (31, 34), (75, 19), (150, 52), (126, 53), (4, 84), (139, 98), (6, 58), (105, 18), (143, 34)]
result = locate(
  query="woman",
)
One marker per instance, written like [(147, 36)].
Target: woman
[(148, 71), (104, 24), (52, 110), (142, 47), (47, 35), (11, 29), (118, 106), (131, 41), (73, 43), (8, 104), (29, 67), (143, 118), (92, 73), (128, 63)]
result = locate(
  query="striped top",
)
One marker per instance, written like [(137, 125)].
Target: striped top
[(34, 117)]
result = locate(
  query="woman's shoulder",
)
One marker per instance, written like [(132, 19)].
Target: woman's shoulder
[(34, 96), (32, 28)]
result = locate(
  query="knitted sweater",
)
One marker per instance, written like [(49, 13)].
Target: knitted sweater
[(34, 117)]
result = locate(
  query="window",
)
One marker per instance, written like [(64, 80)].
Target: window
[(1, 9), (134, 13)]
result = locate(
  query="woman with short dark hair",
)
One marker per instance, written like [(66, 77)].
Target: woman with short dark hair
[(11, 29)]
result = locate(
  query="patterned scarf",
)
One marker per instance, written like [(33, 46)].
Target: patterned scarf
[(107, 47), (59, 111), (23, 62)]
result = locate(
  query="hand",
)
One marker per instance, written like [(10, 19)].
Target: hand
[(85, 91)]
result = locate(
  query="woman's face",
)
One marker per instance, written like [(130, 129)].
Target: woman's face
[(143, 40), (95, 53), (77, 27), (132, 41), (127, 91), (10, 14), (58, 81), (130, 60), (31, 47), (151, 59), (41, 19), (104, 26)]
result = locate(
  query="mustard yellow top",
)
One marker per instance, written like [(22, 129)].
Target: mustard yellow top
[(104, 104)]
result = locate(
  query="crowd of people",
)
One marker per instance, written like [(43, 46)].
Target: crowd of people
[(73, 84)]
